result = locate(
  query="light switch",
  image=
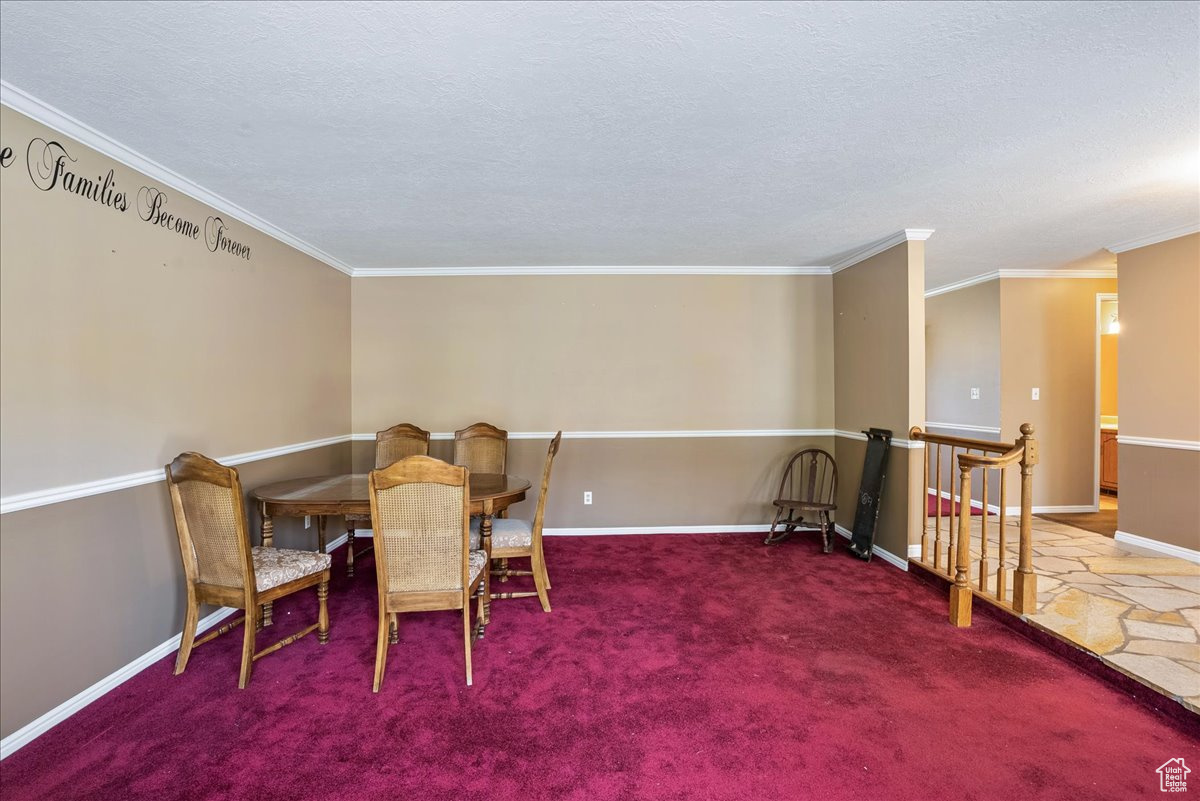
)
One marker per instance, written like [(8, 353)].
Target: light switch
[(1036, 394), (974, 393)]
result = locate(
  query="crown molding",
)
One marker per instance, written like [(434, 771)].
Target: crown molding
[(428, 272), (42, 112), (875, 248), (1154, 239), (963, 284), (1103, 272)]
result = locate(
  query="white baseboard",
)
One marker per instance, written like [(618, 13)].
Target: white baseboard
[(886, 556), (27, 733), (1054, 510), (30, 731), (992, 507), (1166, 548)]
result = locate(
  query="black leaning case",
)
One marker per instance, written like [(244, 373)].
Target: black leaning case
[(866, 513)]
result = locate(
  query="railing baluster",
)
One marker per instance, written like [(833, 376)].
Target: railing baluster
[(983, 533), (937, 499), (1000, 576), (955, 511), (925, 511)]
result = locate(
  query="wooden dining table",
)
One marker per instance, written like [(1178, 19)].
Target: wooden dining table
[(347, 495)]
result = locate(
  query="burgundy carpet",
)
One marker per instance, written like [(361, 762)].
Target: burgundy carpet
[(672, 667)]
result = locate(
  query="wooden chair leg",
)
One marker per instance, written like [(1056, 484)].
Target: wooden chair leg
[(503, 570), (381, 644), (771, 540), (323, 612), (542, 559), (251, 628), (826, 533), (393, 628), (467, 634), (190, 619), (539, 579)]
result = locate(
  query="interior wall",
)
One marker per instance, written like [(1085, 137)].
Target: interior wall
[(123, 343), (1048, 335), (609, 354), (1159, 386), (879, 345), (1109, 370), (962, 351)]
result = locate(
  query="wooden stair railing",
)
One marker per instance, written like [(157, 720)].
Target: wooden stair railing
[(983, 456)]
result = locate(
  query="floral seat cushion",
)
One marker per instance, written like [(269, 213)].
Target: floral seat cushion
[(476, 560), (505, 533), (276, 566)]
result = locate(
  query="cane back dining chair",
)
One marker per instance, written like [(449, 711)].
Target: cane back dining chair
[(419, 512), (514, 538), (399, 442), (223, 569), (481, 448), (391, 445), (809, 486)]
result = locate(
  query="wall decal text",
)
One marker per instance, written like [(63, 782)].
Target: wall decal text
[(51, 166)]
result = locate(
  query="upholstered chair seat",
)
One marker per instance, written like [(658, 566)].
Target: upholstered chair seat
[(506, 533), (274, 567), (478, 561)]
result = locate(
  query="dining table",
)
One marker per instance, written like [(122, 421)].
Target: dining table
[(346, 495)]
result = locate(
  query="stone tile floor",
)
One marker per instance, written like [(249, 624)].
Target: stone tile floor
[(1136, 609)]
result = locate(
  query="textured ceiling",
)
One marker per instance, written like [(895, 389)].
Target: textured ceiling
[(1028, 135)]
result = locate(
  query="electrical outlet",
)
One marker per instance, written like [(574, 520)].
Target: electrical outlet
[(1036, 394), (307, 521), (974, 393), (587, 498)]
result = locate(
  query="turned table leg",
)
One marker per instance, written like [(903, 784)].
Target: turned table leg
[(485, 538), (349, 549), (268, 541), (320, 533)]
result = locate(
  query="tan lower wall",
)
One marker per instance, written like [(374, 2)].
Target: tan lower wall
[(1159, 494), (702, 481), (104, 576), (892, 531)]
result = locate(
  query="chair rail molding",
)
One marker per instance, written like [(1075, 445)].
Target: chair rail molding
[(965, 427), (645, 434), (45, 497)]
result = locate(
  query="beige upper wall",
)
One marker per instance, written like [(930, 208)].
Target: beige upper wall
[(962, 350), (122, 343), (879, 330), (1159, 379), (1048, 330), (879, 342), (604, 353)]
